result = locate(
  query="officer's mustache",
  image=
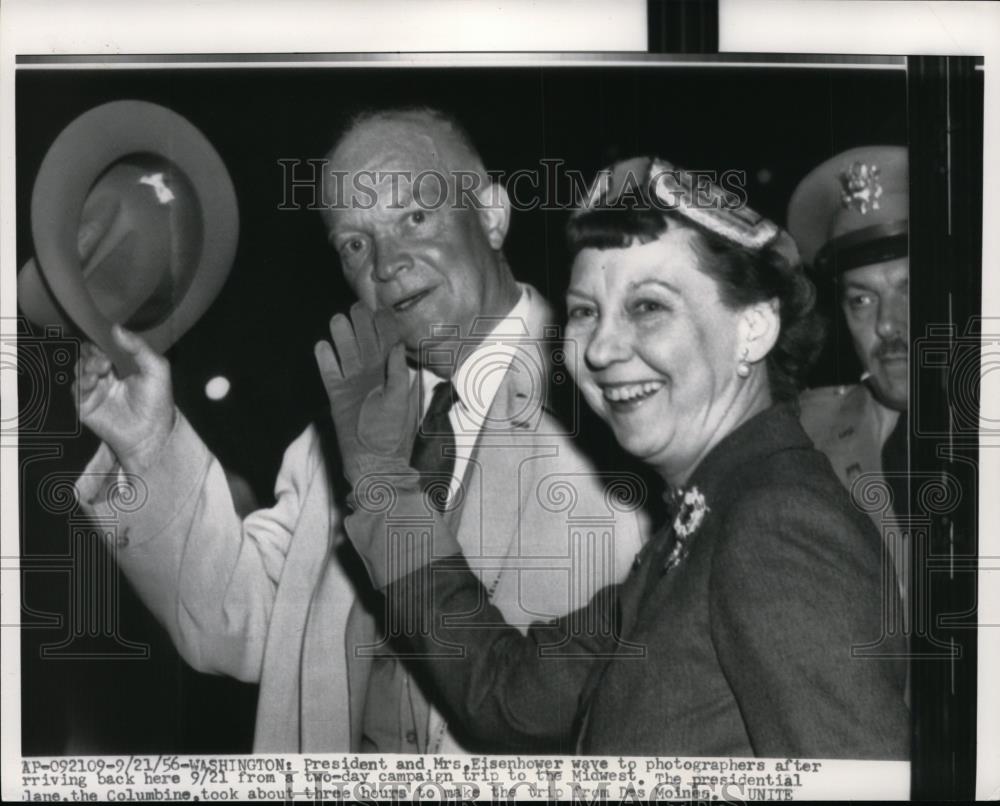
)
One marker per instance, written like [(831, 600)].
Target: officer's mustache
[(895, 347)]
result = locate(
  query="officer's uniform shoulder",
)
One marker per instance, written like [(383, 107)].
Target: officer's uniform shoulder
[(827, 398), (823, 410)]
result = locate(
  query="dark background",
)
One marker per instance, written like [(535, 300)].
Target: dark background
[(775, 124)]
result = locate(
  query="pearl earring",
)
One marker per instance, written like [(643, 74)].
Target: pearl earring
[(743, 367)]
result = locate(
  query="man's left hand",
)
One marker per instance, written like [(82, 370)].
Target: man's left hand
[(366, 379)]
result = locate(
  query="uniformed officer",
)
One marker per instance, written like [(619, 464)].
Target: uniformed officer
[(850, 217)]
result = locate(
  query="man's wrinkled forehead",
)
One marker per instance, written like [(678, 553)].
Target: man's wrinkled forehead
[(389, 157)]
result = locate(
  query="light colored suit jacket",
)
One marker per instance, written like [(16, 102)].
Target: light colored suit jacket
[(269, 598)]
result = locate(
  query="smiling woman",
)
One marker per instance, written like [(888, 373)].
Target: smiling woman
[(734, 633), (659, 348), (663, 309)]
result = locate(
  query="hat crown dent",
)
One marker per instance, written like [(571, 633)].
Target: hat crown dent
[(140, 212)]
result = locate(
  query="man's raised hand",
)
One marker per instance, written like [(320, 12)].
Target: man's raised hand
[(134, 415), (366, 379)]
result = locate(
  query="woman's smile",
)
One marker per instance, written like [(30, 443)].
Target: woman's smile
[(629, 396)]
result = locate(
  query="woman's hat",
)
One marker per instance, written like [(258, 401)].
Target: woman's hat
[(654, 183), (854, 209), (134, 221)]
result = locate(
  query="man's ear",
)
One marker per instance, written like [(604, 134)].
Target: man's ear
[(760, 326), (494, 213)]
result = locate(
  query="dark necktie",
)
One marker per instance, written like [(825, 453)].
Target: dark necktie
[(896, 465), (434, 448)]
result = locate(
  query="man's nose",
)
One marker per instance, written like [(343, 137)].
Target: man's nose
[(893, 316), (609, 344), (390, 260)]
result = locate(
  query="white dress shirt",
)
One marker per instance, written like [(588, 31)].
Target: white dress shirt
[(476, 382)]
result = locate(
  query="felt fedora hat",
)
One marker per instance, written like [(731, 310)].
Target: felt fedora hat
[(134, 221)]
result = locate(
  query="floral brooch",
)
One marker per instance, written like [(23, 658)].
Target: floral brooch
[(690, 514)]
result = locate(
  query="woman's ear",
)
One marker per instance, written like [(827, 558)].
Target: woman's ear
[(494, 213), (759, 329)]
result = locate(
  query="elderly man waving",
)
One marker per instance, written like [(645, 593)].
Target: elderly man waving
[(277, 597)]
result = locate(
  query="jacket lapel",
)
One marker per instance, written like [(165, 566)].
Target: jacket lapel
[(486, 524), (359, 633), (500, 462), (285, 697), (631, 594), (326, 706)]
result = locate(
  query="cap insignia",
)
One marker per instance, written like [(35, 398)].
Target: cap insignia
[(860, 187)]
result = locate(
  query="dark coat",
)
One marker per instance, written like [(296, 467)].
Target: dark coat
[(746, 648)]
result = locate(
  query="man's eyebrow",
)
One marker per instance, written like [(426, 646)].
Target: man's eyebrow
[(858, 285), (333, 233)]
